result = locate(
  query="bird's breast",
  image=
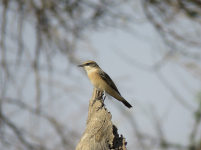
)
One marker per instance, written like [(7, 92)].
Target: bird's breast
[(97, 81)]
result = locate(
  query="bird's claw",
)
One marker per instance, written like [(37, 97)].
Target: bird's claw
[(97, 98), (102, 104), (102, 96)]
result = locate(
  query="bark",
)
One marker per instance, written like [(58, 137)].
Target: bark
[(100, 133)]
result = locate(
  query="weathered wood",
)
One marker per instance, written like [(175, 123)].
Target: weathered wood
[(100, 133)]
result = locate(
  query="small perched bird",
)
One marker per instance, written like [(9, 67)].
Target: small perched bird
[(102, 82)]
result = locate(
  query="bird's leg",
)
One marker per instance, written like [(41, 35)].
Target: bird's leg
[(97, 98), (104, 96)]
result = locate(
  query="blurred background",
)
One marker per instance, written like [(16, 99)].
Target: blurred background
[(150, 48)]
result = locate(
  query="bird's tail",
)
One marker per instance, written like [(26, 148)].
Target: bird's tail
[(120, 98), (126, 103)]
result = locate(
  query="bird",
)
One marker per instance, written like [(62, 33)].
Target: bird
[(102, 81)]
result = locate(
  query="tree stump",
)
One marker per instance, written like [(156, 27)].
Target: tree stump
[(100, 133)]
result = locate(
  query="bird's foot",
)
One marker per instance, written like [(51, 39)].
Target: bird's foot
[(102, 104), (97, 98), (103, 96)]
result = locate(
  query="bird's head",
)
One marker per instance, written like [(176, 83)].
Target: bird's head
[(89, 65)]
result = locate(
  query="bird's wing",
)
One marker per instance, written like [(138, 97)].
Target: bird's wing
[(108, 80)]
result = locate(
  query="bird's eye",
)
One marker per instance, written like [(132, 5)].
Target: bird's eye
[(87, 64)]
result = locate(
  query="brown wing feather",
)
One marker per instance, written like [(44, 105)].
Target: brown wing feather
[(107, 78)]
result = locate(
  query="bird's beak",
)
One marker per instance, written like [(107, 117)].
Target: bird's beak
[(80, 65)]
